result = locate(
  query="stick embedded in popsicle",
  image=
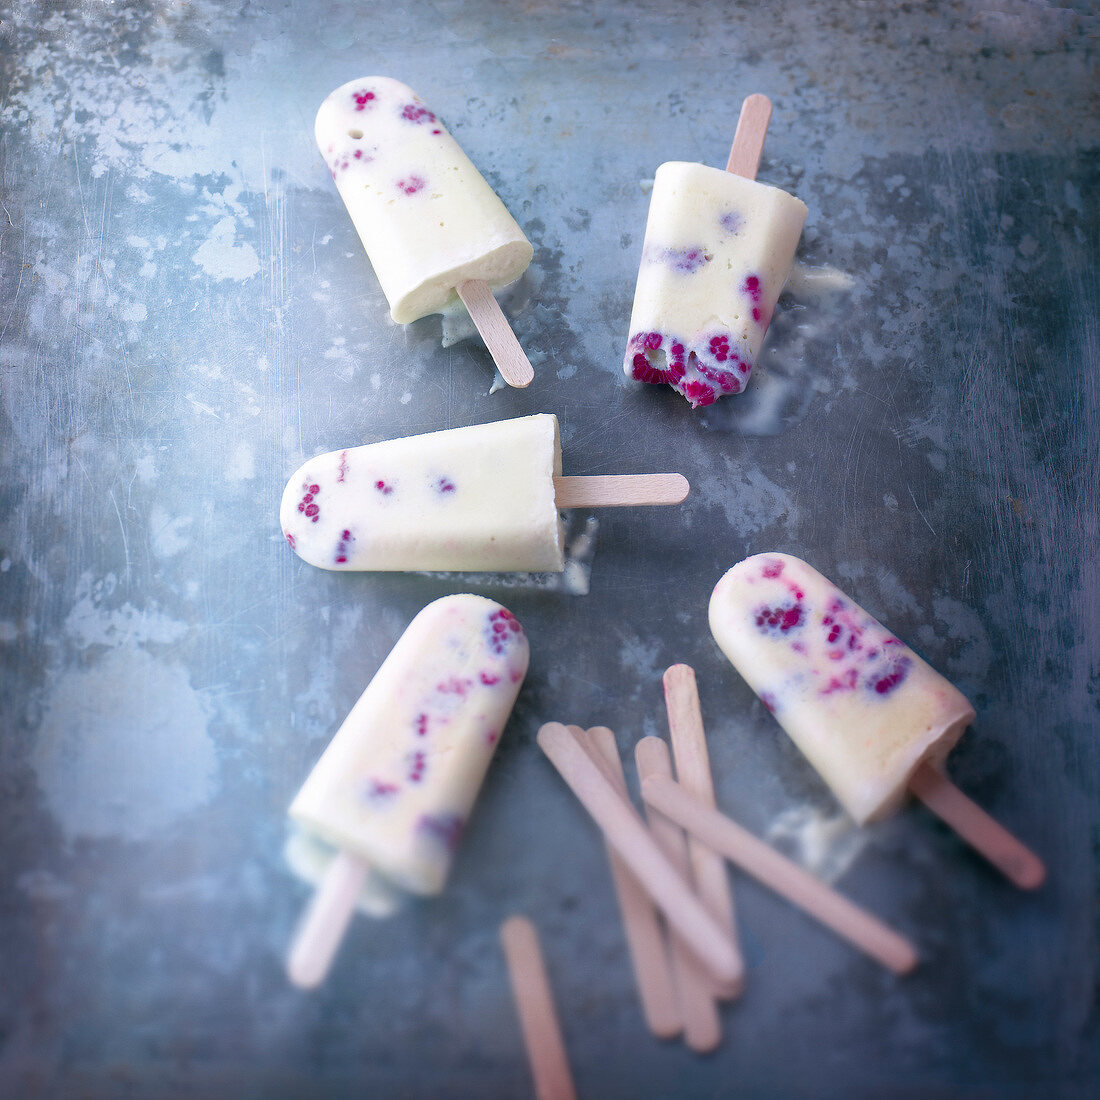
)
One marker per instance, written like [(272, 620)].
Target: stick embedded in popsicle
[(782, 875), (748, 139), (485, 312), (535, 1005), (985, 835), (434, 230), (481, 498), (645, 936), (702, 1027), (626, 831), (393, 790), (689, 751), (718, 248), (326, 920), (873, 719)]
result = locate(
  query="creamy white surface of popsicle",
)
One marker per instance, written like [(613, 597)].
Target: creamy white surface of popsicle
[(717, 251), (860, 704), (424, 213), (397, 783), (476, 498)]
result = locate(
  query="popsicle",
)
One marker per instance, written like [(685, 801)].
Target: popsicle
[(871, 717), (434, 230), (718, 248), (392, 792), (484, 497)]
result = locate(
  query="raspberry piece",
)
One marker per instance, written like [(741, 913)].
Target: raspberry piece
[(886, 683), (343, 547), (414, 112), (378, 789), (698, 393), (784, 619), (446, 828), (504, 629), (642, 370)]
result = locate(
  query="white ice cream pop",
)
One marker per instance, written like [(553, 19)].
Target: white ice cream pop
[(482, 498), (872, 717), (392, 792), (718, 248), (434, 230)]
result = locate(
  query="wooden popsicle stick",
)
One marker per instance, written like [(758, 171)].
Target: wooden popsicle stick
[(627, 833), (535, 1006), (988, 837), (645, 937), (748, 141), (514, 366), (702, 1027), (689, 751), (323, 926), (619, 490), (782, 875)]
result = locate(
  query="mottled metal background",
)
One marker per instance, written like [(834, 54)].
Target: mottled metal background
[(187, 314)]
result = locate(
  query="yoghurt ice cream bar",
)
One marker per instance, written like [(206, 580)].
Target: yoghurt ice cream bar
[(485, 497), (477, 498), (399, 779), (390, 796), (718, 249), (425, 215), (866, 711), (863, 708)]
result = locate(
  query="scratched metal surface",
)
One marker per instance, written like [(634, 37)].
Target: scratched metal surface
[(186, 315)]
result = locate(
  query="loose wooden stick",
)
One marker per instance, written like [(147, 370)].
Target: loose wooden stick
[(988, 837), (702, 1028), (689, 750), (626, 832), (514, 366), (645, 937), (620, 490), (535, 1005), (748, 141), (326, 920), (778, 873)]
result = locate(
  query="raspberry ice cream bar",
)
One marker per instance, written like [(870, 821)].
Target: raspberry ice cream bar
[(392, 792), (872, 717), (434, 230), (482, 498), (862, 706), (424, 213), (718, 248)]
